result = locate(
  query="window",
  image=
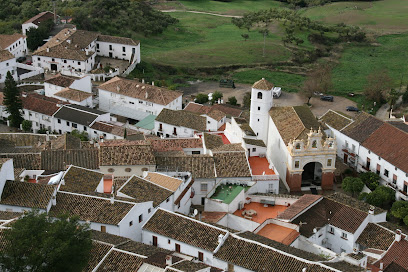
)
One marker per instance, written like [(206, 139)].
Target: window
[(204, 187), (140, 102), (145, 169), (67, 123), (346, 144), (128, 169), (140, 218), (329, 162), (368, 163), (200, 256), (331, 230), (130, 223), (378, 169), (149, 210), (130, 102), (386, 172), (59, 121), (297, 146), (97, 45), (169, 241), (53, 59), (110, 47), (85, 128), (178, 248), (314, 144), (344, 235), (111, 170), (38, 58), (259, 95), (65, 61), (353, 147), (253, 149), (208, 122), (7, 64), (175, 131), (160, 127), (74, 125), (405, 187), (79, 63), (195, 152), (154, 240), (167, 200), (123, 49), (394, 179), (103, 228), (259, 108), (297, 164)]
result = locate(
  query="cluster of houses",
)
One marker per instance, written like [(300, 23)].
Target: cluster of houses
[(167, 186)]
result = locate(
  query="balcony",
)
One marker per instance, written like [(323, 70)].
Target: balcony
[(348, 151)]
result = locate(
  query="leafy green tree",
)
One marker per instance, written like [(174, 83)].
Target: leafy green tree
[(381, 197), (352, 185), (36, 36), (27, 125), (81, 135), (12, 101), (247, 100), (405, 96), (201, 98), (400, 210), (38, 243), (245, 36), (232, 100), (215, 96), (377, 83), (370, 179)]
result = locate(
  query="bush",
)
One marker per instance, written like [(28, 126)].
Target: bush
[(216, 95), (27, 125), (370, 179), (348, 172), (81, 135), (400, 210), (201, 98), (232, 101), (352, 185), (381, 197)]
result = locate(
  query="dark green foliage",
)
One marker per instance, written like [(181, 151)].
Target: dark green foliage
[(36, 36), (381, 197), (405, 96), (38, 243), (370, 179), (201, 98), (27, 125), (215, 96), (81, 135), (352, 185), (245, 36), (232, 100), (348, 172), (247, 100), (400, 210), (12, 101)]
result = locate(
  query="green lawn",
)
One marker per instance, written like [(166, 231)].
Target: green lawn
[(207, 41), (382, 17), (288, 82), (227, 194)]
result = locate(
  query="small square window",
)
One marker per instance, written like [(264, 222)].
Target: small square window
[(259, 108), (386, 173), (297, 164), (344, 235), (204, 187), (67, 123), (331, 230), (130, 223), (140, 218), (169, 241), (329, 162), (59, 121), (149, 210), (253, 149), (167, 200)]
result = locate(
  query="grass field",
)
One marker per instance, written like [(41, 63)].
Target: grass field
[(206, 41)]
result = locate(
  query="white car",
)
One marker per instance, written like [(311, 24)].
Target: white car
[(277, 92)]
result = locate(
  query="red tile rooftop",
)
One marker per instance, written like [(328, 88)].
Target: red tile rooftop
[(262, 213), (107, 184), (259, 166), (278, 233), (224, 138), (222, 128), (212, 217)]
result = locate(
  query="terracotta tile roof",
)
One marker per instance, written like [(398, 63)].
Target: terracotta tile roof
[(114, 129), (89, 208), (29, 195), (61, 80), (126, 153), (228, 148), (176, 144), (4, 215), (98, 251), (159, 259), (197, 108), (142, 191), (375, 236), (165, 181), (212, 141), (108, 238), (41, 104), (247, 129), (336, 120), (40, 17), (216, 114), (142, 249), (7, 40), (330, 212), (72, 94), (64, 52), (228, 110), (57, 160), (5, 55), (398, 124), (182, 118), (254, 142), (200, 166), (293, 122), (141, 91), (256, 257), (184, 229), (65, 141), (364, 125), (80, 180), (118, 40), (394, 267), (120, 261), (189, 266), (263, 84), (23, 139), (397, 253), (394, 150), (304, 202), (27, 161), (231, 164), (212, 217)]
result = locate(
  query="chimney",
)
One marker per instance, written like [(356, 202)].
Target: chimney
[(58, 40), (381, 266), (112, 200), (48, 49), (47, 136), (24, 94), (101, 139), (264, 79), (87, 52), (152, 83), (54, 200), (146, 95), (220, 238), (398, 235), (371, 210), (169, 260), (69, 41), (304, 269), (118, 88), (143, 80)]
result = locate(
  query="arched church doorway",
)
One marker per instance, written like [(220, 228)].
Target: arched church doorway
[(312, 174)]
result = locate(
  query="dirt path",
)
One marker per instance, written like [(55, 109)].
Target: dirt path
[(202, 12)]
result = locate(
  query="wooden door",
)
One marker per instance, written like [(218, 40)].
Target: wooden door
[(345, 158), (155, 241)]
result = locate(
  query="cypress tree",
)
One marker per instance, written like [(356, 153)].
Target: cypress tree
[(12, 101)]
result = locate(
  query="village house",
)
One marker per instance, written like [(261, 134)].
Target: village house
[(16, 44), (8, 63), (35, 21), (135, 100), (215, 117)]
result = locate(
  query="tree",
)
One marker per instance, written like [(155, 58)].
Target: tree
[(12, 101), (36, 36), (370, 179), (377, 83), (308, 89), (27, 125), (400, 210), (245, 36), (405, 96), (381, 197), (232, 100), (246, 101), (318, 81), (81, 135), (39, 243), (216, 96), (393, 96), (201, 98), (352, 185)]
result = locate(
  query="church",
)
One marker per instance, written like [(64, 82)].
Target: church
[(296, 145)]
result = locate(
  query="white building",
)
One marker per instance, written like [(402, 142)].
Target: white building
[(136, 100), (8, 63), (35, 21), (215, 118), (16, 44)]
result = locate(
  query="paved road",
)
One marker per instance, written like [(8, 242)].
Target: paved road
[(202, 12)]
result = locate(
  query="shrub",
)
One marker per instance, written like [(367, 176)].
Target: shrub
[(370, 179)]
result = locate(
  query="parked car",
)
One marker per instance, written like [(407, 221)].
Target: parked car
[(21, 59), (326, 98), (350, 108)]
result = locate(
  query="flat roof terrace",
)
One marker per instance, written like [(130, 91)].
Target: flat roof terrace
[(227, 193), (260, 166), (262, 212)]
